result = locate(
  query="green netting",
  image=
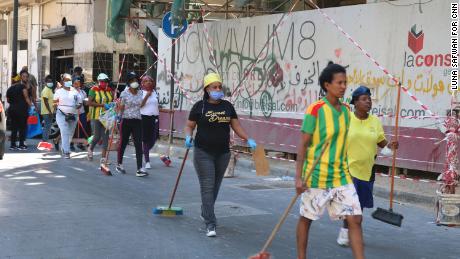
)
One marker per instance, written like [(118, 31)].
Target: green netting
[(115, 24), (177, 11)]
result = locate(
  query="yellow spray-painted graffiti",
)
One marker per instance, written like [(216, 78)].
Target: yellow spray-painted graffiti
[(421, 83)]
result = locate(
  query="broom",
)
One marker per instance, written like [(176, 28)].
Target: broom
[(388, 216), (263, 254), (172, 211), (165, 158)]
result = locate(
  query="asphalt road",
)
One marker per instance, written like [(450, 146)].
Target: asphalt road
[(56, 208)]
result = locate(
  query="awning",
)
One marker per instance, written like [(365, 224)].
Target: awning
[(60, 31)]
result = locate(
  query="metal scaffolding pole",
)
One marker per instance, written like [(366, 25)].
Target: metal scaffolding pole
[(14, 67)]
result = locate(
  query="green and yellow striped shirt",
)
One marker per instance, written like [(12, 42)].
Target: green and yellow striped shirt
[(326, 124), (99, 96)]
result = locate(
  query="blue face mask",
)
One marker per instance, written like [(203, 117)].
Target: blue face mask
[(216, 95), (67, 83), (50, 85)]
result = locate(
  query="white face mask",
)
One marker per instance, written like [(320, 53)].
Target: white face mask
[(68, 83), (134, 85)]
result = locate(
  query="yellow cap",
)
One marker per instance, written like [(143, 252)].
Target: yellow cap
[(211, 78)]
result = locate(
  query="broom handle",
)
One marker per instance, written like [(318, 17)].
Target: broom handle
[(171, 121), (178, 178), (293, 201), (396, 136)]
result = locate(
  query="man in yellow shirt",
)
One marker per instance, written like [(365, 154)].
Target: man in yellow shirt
[(365, 134), (47, 108)]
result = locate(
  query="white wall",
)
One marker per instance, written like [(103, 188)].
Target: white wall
[(304, 45)]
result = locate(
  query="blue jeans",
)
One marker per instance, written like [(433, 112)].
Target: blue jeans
[(67, 128), (210, 169), (48, 119)]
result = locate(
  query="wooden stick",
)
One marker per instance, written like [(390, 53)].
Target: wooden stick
[(396, 135), (293, 201), (178, 178)]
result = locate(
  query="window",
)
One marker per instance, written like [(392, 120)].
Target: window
[(133, 62), (103, 63), (22, 45)]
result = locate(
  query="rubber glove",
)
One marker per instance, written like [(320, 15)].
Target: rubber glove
[(252, 143), (188, 142), (31, 110)]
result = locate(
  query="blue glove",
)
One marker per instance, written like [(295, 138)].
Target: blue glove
[(31, 110), (107, 106), (188, 142), (252, 143)]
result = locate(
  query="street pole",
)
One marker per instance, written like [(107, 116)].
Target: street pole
[(14, 67), (171, 91)]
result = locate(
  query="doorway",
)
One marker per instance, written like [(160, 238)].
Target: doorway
[(61, 62)]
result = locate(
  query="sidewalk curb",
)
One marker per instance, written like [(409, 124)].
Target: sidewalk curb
[(244, 163)]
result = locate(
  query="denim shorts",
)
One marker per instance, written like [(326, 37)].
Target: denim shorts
[(364, 190)]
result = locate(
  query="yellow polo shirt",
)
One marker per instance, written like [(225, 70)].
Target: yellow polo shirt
[(47, 93), (363, 137)]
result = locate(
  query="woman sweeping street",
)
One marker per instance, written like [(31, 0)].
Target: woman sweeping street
[(365, 134), (131, 123), (213, 118), (68, 101), (150, 112), (99, 98)]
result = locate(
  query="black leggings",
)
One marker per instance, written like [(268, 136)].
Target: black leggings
[(130, 127), (18, 125)]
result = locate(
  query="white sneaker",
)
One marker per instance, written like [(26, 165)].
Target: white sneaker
[(147, 165), (342, 239), (211, 231)]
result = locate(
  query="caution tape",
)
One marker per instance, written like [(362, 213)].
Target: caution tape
[(265, 47), (273, 123), (168, 71), (395, 80), (209, 44), (403, 177)]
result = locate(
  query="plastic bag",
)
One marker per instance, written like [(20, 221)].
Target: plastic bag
[(34, 128), (108, 118)]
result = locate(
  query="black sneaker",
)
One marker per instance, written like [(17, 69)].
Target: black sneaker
[(22, 147), (211, 231), (12, 148), (72, 148), (141, 173), (81, 147), (67, 155), (120, 169)]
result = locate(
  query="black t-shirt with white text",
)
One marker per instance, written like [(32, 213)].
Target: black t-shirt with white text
[(213, 125)]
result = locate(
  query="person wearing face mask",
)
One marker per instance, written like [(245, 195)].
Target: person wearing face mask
[(364, 136), (99, 98), (131, 123), (82, 128), (18, 96), (47, 108), (150, 112), (213, 117), (68, 101)]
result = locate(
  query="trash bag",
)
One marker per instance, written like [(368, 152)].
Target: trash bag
[(34, 128)]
